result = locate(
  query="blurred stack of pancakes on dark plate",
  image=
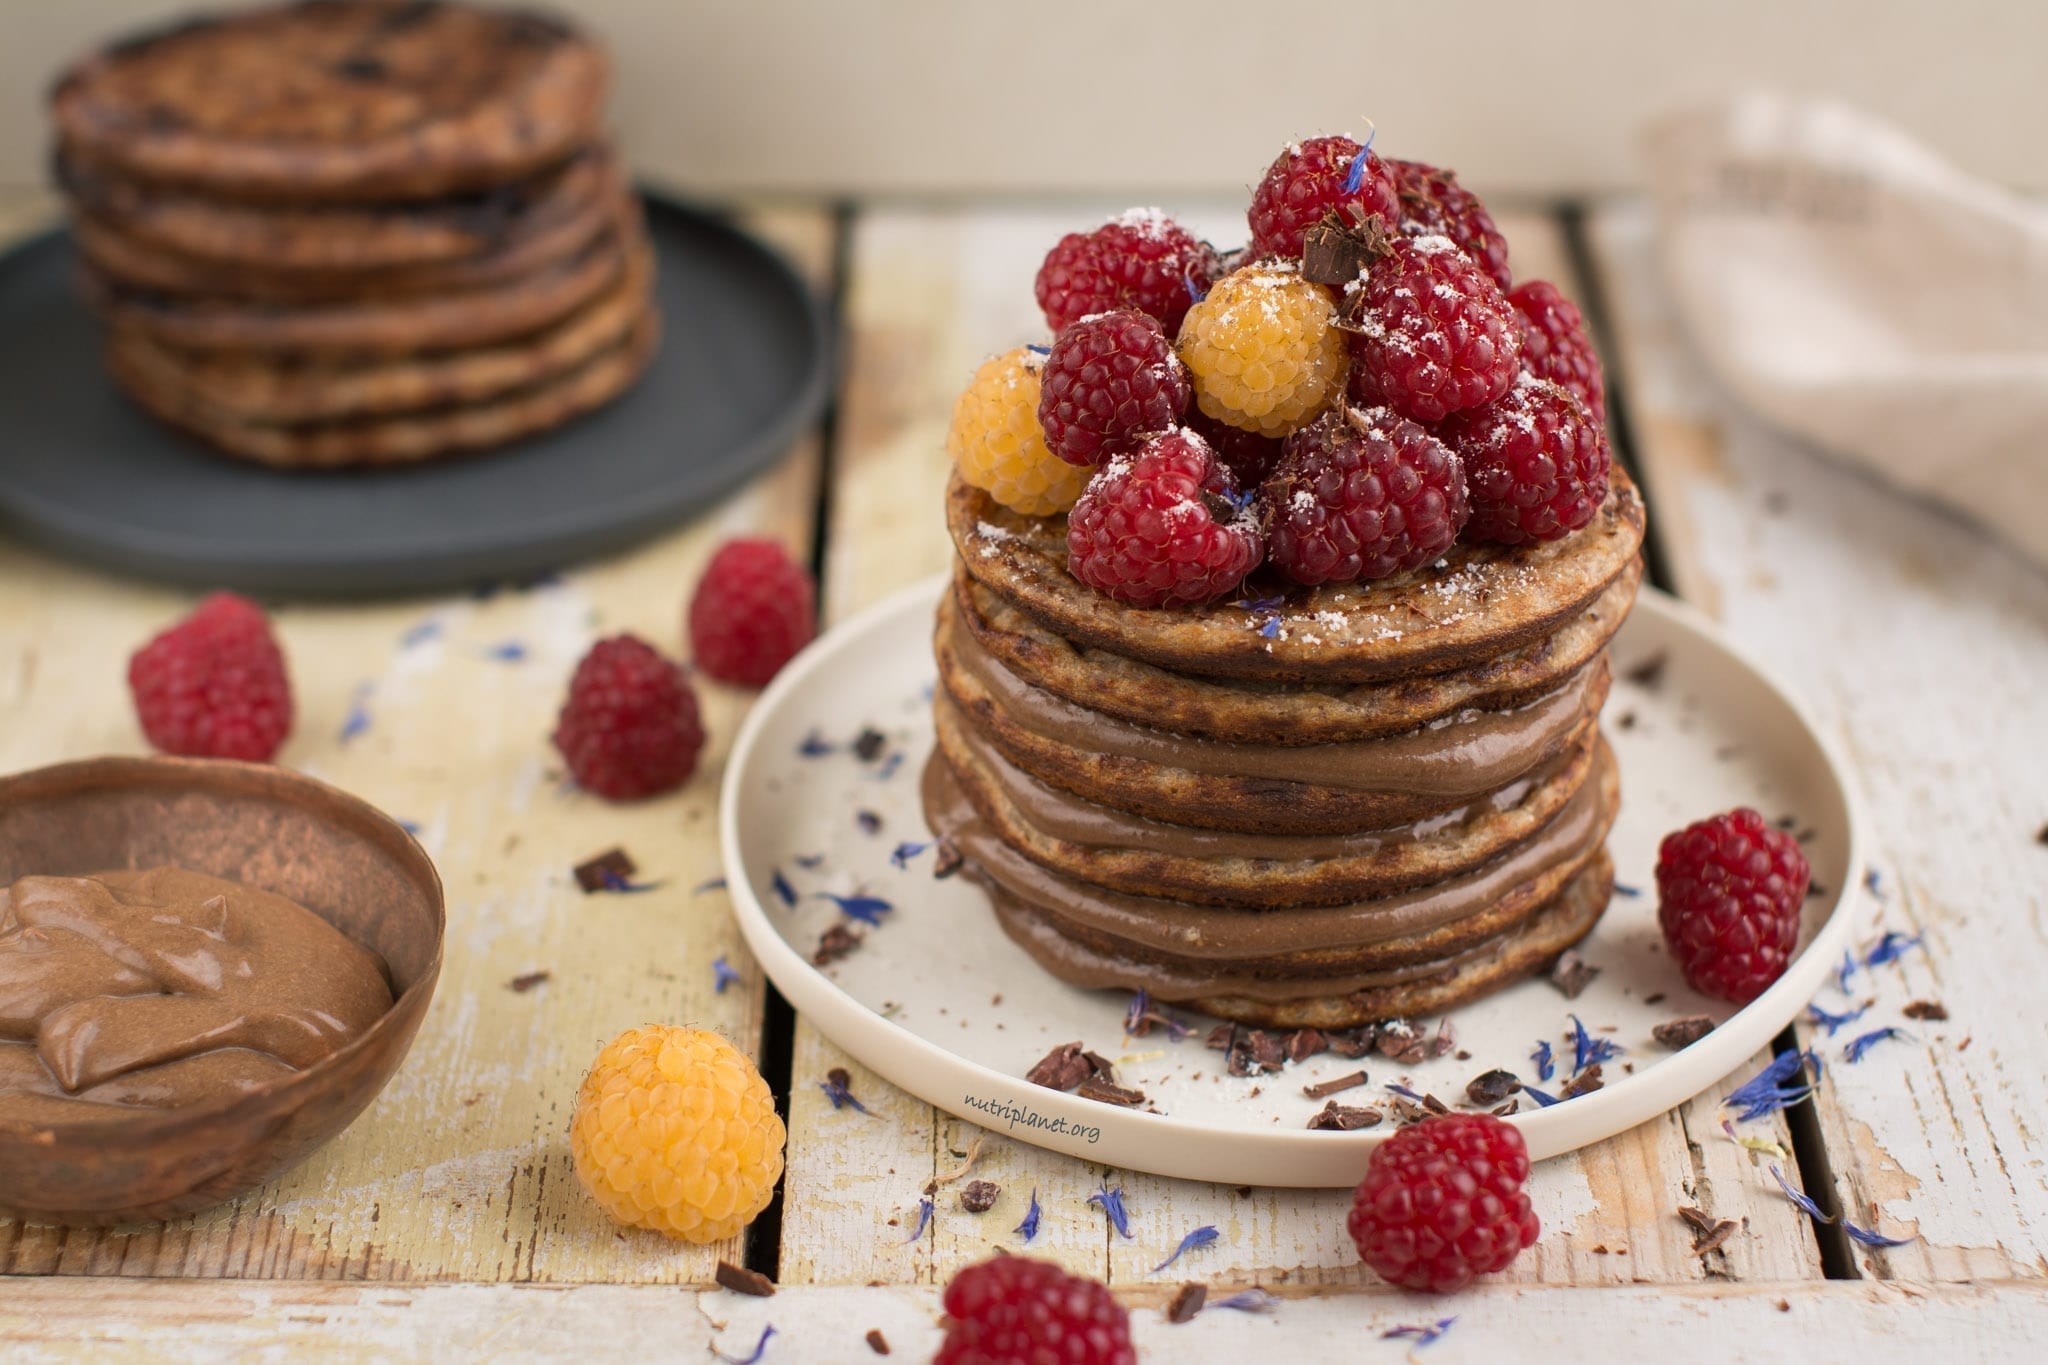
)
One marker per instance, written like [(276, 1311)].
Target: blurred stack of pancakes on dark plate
[(357, 232)]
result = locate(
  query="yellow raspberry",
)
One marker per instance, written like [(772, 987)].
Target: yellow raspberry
[(676, 1131), (1000, 448), (1263, 350)]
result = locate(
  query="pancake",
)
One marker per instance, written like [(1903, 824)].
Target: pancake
[(260, 389), (407, 438), (1142, 857), (1478, 602), (336, 100), (1252, 712)]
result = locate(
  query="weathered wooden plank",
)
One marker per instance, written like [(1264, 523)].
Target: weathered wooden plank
[(931, 294), (461, 1169), (1919, 646)]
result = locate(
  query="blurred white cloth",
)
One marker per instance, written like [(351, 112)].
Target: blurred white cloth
[(1853, 288)]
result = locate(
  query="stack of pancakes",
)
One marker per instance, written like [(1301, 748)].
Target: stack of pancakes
[(1361, 802), (356, 231)]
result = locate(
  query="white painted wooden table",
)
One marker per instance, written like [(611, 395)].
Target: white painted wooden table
[(448, 1220)]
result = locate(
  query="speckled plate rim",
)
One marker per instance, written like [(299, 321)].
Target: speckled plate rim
[(1177, 1147)]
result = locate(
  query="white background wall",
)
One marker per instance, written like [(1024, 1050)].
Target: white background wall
[(933, 97)]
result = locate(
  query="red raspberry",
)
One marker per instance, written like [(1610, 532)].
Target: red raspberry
[(753, 610), (214, 685), (1012, 1310), (1310, 179), (1249, 456), (1729, 892), (1163, 527), (1362, 494), (1142, 260), (1554, 343), (1432, 201), (629, 728), (1111, 380), (1442, 1201), (1436, 335), (1536, 463)]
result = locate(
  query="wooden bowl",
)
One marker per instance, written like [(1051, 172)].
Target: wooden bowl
[(270, 828)]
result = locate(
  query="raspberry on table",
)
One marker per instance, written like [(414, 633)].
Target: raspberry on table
[(214, 685), (1433, 202), (1555, 345), (754, 608), (629, 728), (1362, 494), (1729, 893), (676, 1131), (1314, 178), (1536, 463), (1163, 527), (1111, 379), (1442, 1201), (1013, 1310), (1435, 334), (1141, 259), (998, 445), (1248, 456), (1263, 349)]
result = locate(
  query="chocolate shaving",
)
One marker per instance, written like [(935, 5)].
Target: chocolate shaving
[(1406, 1111), (1402, 1042), (868, 745), (1434, 1105), (1067, 1066), (1334, 252), (1094, 1089), (1352, 1043), (1342, 1118), (741, 1280), (1932, 1010), (1655, 998), (1572, 974), (1303, 1044), (979, 1196), (598, 873), (1502, 1111), (523, 984), (1650, 672), (1444, 1040), (1254, 1052), (1187, 1302), (1585, 1083), (1335, 1085), (946, 860), (1678, 1033), (877, 1343), (1491, 1087), (835, 943), (1708, 1233)]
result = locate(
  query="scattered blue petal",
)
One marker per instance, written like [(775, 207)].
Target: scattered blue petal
[(1355, 177), (1201, 1237), (1870, 1238), (1404, 1092), (1588, 1050), (783, 890), (1270, 628), (889, 766), (1806, 1206), (411, 827), (1039, 350), (1623, 889), (1029, 1227), (1845, 971), (924, 1212), (1543, 1098), (420, 634), (1834, 1023), (1862, 1043), (754, 1357), (1253, 1300), (619, 884), (715, 884), (815, 745), (1890, 948), (1772, 1088), (867, 909), (809, 862), (1112, 1203), (905, 851), (1197, 291), (506, 652), (1420, 1335), (1545, 1069), (1873, 881), (722, 974), (1140, 1006), (358, 712), (1273, 603), (842, 1095)]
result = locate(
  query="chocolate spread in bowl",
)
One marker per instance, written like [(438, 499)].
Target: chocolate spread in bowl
[(167, 988)]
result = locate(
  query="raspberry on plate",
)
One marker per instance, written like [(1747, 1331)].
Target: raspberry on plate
[(629, 728), (998, 445), (1554, 343), (1435, 334), (1263, 349), (1442, 1201), (1729, 892), (1536, 463), (1142, 260), (1111, 380), (214, 684), (1433, 202), (676, 1131), (1163, 527), (1311, 179), (753, 610), (1362, 494), (1013, 1310)]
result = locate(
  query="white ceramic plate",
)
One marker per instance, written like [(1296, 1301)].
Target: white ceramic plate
[(941, 1003)]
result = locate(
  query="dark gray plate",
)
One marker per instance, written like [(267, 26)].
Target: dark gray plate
[(742, 370)]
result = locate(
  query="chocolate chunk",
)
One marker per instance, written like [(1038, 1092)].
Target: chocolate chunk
[(1063, 1068), (835, 943), (1187, 1302), (1585, 1083), (1678, 1033), (2042, 836), (1649, 674), (946, 860), (1219, 1037), (979, 1196), (1655, 998), (740, 1280), (596, 874), (869, 822), (1625, 721), (1932, 1010), (1502, 1111), (1103, 1066), (1491, 1087), (1352, 1043), (1095, 1089), (868, 745), (523, 984), (1572, 974), (1334, 252), (1342, 1118), (1254, 1052), (877, 1343), (1402, 1042), (1434, 1105), (1303, 1044), (1444, 1040), (1334, 1086)]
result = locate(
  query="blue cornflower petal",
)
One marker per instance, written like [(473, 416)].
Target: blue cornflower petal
[(722, 974), (924, 1218), (1201, 1237), (753, 1357), (867, 909), (783, 890), (905, 851), (1833, 1023), (1587, 1050), (1112, 1203), (1890, 948), (1863, 1042), (1420, 1335), (1029, 1227), (1545, 1069)]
